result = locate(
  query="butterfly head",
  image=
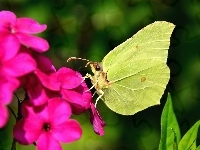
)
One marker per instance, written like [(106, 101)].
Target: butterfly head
[(96, 67)]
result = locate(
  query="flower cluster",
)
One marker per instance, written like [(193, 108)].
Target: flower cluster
[(51, 95)]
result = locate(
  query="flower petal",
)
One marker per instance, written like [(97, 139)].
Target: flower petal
[(8, 19), (3, 115), (20, 65), (96, 120), (28, 110), (29, 26), (78, 98), (67, 132), (37, 43), (7, 87), (69, 78), (9, 46), (44, 63), (59, 110), (27, 131), (49, 81), (47, 142), (37, 93)]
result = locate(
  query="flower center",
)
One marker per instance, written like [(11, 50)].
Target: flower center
[(46, 127), (12, 30)]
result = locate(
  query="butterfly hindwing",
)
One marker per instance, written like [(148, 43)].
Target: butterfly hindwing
[(137, 92)]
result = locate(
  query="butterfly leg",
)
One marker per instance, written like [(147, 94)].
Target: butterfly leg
[(101, 93), (87, 76), (90, 76), (94, 93), (91, 87)]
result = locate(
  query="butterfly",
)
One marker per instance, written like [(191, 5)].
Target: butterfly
[(134, 75)]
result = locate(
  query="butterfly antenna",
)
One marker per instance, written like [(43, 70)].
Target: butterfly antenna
[(74, 58)]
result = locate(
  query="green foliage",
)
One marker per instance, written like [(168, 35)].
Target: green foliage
[(170, 132), (6, 136), (188, 142)]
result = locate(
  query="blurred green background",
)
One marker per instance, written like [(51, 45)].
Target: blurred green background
[(90, 29)]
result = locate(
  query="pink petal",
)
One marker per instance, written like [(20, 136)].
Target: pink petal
[(47, 142), (52, 94), (37, 94), (29, 26), (44, 63), (8, 19), (68, 78), (27, 131), (49, 81), (3, 115), (37, 43), (7, 87), (9, 46), (20, 65), (78, 98), (59, 110), (96, 120), (67, 132), (28, 110)]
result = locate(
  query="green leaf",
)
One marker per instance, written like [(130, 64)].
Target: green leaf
[(170, 132), (198, 148), (188, 142)]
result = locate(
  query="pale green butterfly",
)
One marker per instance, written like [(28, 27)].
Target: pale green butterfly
[(134, 75)]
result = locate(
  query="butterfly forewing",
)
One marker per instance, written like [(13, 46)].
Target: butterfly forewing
[(152, 42)]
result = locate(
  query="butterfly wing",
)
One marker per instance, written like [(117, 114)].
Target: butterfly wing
[(152, 42), (137, 92), (137, 70)]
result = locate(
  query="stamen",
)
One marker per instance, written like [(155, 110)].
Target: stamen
[(46, 126), (12, 30)]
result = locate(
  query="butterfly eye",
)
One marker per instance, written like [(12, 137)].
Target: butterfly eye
[(98, 68)]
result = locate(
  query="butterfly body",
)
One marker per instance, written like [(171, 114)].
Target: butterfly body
[(99, 80)]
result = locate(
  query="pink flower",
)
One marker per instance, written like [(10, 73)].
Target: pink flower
[(33, 85), (47, 125), (96, 120), (7, 87), (11, 67), (3, 115), (21, 29), (37, 93), (73, 89), (15, 64)]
